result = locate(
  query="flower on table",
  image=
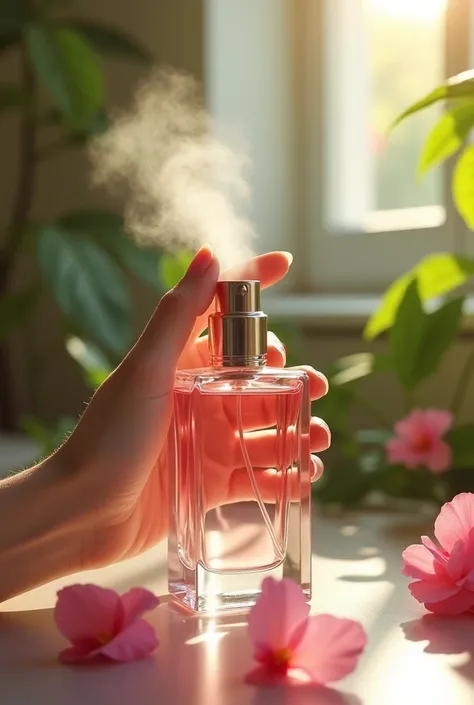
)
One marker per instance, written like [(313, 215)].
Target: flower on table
[(100, 623), (419, 440), (444, 574), (290, 645)]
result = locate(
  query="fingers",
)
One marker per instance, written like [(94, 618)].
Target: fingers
[(265, 447), (268, 268), (271, 484), (171, 325), (262, 410)]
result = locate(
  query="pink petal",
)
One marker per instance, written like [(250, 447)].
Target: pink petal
[(397, 450), (456, 562), (411, 425), (85, 612), (135, 642), (278, 618), (330, 648), (438, 458), (457, 604), (440, 556), (438, 420), (433, 590), (136, 602), (417, 562), (455, 520)]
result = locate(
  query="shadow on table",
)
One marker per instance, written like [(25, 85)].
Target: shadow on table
[(445, 635), (304, 695), (199, 660)]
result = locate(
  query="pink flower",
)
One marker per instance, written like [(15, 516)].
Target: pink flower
[(419, 440), (100, 623), (289, 644), (445, 575)]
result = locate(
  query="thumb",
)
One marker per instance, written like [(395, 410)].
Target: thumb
[(171, 325)]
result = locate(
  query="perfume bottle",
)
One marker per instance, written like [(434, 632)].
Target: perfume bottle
[(239, 455)]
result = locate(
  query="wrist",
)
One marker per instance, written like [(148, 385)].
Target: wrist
[(41, 534)]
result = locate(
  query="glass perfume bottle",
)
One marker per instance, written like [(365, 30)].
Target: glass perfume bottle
[(240, 465)]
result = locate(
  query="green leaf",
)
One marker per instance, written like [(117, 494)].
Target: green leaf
[(334, 408), (38, 432), (440, 330), (94, 363), (418, 341), (460, 86), (108, 229), (447, 136), (69, 69), (173, 267), (461, 440), (406, 336), (15, 309), (48, 439), (437, 275), (352, 367), (87, 285), (463, 186), (112, 41)]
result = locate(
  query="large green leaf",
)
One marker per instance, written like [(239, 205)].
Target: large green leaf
[(69, 69), (173, 267), (460, 86), (15, 309), (108, 229), (94, 364), (447, 136), (463, 186), (437, 275), (110, 40), (87, 285), (418, 341), (461, 440), (440, 330), (406, 335)]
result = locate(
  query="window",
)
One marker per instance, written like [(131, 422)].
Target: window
[(315, 84)]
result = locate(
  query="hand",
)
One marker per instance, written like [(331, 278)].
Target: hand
[(103, 496), (118, 450)]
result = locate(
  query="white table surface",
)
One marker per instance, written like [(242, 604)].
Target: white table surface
[(411, 658)]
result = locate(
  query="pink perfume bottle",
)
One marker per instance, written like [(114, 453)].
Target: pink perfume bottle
[(239, 503)]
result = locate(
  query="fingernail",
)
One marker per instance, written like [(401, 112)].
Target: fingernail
[(201, 262), (289, 257)]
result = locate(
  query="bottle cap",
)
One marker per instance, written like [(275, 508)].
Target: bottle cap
[(238, 328)]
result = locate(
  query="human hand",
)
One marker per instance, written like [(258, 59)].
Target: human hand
[(116, 458)]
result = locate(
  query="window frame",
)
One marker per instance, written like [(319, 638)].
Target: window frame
[(367, 261), (275, 92)]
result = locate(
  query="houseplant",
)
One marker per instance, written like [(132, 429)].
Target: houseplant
[(80, 258), (421, 315)]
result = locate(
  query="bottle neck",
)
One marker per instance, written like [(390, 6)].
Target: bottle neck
[(238, 339), (255, 361)]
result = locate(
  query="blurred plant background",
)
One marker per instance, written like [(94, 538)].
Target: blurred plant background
[(83, 259), (82, 263), (421, 317)]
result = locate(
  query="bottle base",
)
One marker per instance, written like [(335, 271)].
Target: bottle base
[(209, 593)]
